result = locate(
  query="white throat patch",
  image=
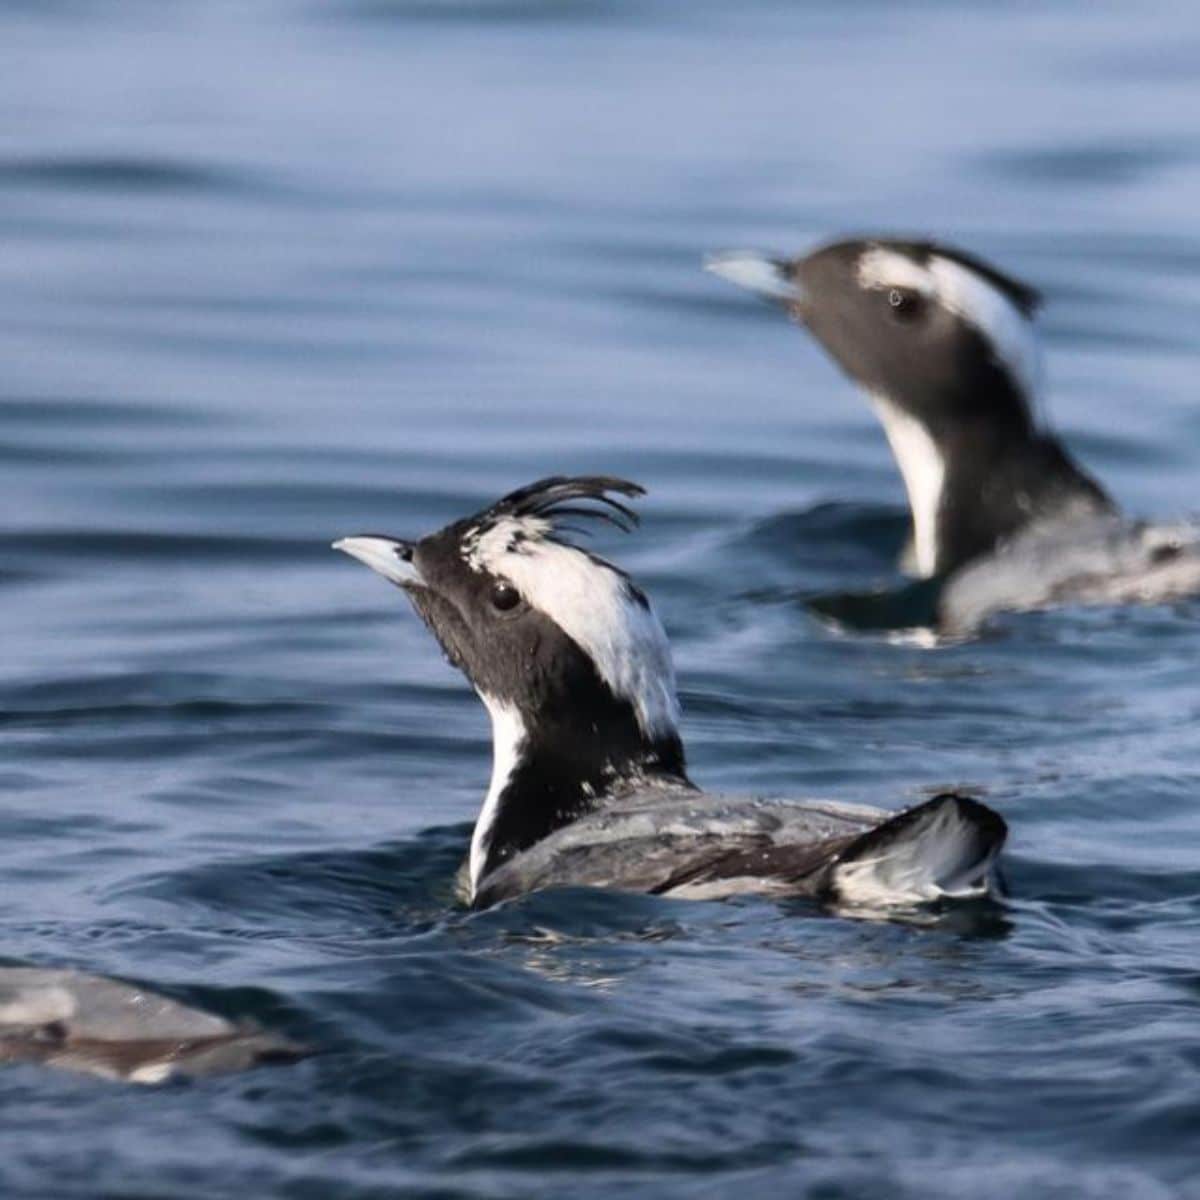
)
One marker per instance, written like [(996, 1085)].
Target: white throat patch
[(508, 735), (590, 602), (970, 297), (924, 473)]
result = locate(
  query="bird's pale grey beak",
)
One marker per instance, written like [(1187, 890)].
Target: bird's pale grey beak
[(386, 556), (758, 273)]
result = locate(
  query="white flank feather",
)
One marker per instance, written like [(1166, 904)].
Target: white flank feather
[(938, 859)]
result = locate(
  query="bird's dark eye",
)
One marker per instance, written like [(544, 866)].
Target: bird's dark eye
[(904, 304), (505, 597)]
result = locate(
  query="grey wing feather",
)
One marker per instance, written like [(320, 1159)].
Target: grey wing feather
[(649, 843)]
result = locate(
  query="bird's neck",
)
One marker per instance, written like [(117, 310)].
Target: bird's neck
[(549, 769), (976, 474)]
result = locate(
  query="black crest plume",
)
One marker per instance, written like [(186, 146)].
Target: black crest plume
[(582, 496)]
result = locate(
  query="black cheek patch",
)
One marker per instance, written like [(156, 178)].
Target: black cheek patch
[(446, 626)]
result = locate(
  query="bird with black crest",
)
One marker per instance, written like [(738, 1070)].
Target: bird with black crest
[(589, 781)]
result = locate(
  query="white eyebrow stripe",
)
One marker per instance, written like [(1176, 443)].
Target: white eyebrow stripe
[(967, 294), (591, 603), (881, 268), (981, 304)]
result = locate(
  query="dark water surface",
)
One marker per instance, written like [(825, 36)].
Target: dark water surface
[(276, 272)]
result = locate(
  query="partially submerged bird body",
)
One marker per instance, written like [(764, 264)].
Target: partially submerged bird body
[(589, 784), (945, 349), (1099, 559), (698, 846), (98, 1026)]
